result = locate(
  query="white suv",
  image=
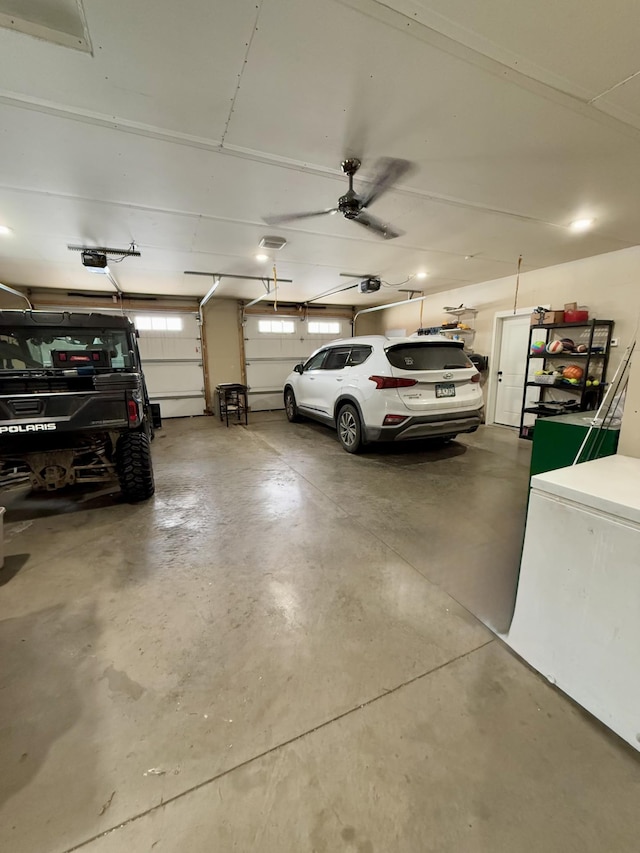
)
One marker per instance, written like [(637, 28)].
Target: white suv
[(387, 389)]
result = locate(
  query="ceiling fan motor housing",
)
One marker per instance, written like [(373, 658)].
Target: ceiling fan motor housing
[(349, 205)]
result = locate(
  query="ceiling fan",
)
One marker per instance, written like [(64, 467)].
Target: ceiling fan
[(352, 205)]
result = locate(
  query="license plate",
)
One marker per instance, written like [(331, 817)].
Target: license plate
[(446, 389)]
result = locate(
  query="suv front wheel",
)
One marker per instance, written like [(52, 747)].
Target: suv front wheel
[(350, 429), (290, 406)]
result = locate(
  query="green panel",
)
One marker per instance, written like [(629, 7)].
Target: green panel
[(556, 442)]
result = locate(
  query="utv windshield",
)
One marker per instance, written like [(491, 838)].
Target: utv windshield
[(31, 349)]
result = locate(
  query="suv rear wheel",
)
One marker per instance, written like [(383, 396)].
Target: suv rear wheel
[(290, 406), (133, 464), (350, 429)]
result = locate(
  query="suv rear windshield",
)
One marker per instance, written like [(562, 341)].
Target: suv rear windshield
[(24, 348), (425, 356)]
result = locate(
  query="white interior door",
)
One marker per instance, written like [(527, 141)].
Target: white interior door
[(512, 369), (171, 352), (273, 346)]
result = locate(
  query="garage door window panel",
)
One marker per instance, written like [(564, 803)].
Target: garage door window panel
[(159, 324), (319, 327), (276, 327)]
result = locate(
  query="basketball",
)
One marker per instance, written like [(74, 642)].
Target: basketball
[(573, 371), (538, 347), (555, 347)]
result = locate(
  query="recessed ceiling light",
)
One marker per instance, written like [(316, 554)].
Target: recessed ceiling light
[(581, 224), (421, 274), (4, 229), (262, 258)]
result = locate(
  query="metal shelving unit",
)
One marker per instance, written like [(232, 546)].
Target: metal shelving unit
[(593, 359)]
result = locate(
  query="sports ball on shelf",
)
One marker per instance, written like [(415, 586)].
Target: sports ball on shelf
[(581, 348), (555, 347), (573, 371), (568, 344), (538, 347)]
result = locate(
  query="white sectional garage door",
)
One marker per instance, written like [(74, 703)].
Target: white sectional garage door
[(274, 345), (171, 352)]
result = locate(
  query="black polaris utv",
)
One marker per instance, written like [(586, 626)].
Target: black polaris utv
[(73, 402)]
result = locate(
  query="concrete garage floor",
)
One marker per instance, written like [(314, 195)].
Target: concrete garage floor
[(277, 654)]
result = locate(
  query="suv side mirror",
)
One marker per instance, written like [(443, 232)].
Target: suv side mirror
[(299, 368)]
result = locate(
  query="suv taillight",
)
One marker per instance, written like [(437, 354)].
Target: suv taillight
[(383, 382), (133, 410), (475, 377), (393, 420)]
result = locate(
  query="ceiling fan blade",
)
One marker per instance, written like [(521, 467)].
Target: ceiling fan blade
[(376, 225), (388, 172), (291, 217)]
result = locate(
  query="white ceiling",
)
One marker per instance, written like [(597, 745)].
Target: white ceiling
[(192, 120)]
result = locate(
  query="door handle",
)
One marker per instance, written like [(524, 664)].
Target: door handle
[(339, 378), (499, 373)]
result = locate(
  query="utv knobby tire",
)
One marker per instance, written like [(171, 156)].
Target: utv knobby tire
[(133, 464)]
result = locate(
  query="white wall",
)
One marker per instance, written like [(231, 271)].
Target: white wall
[(223, 342)]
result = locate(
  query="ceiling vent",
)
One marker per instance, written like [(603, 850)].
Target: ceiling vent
[(272, 243), (57, 21)]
